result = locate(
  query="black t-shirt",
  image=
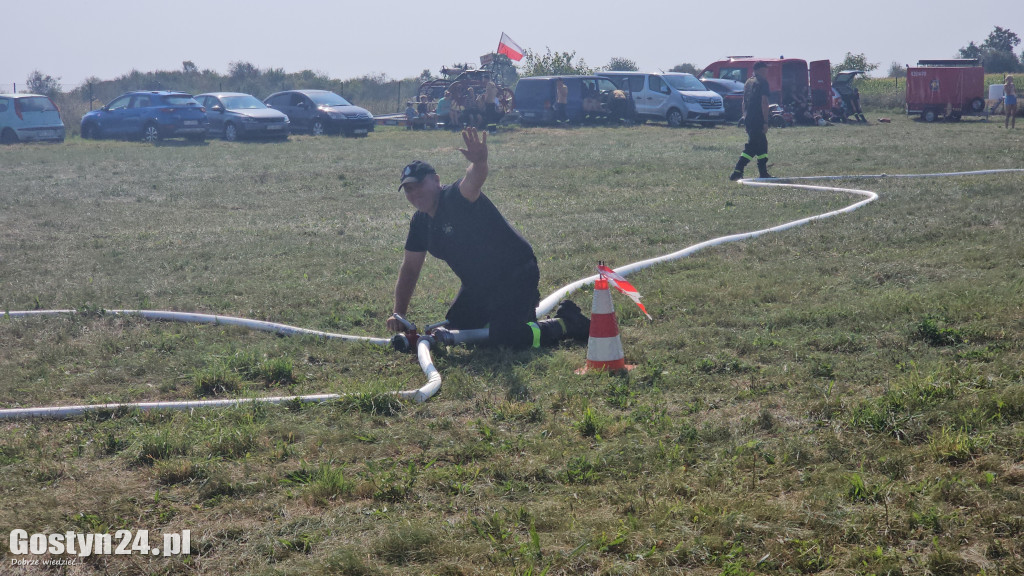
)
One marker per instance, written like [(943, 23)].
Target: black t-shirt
[(753, 90), (473, 238)]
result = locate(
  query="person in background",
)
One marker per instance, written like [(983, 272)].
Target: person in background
[(455, 112), (561, 100), (756, 117), (410, 116), (1010, 102), (620, 104), (443, 110), (473, 108), (491, 102), (856, 111), (460, 225), (426, 117)]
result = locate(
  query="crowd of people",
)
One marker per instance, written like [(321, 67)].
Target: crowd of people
[(452, 113)]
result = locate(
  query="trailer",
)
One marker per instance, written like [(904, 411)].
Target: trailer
[(948, 89)]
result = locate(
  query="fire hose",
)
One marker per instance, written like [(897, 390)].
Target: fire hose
[(411, 339)]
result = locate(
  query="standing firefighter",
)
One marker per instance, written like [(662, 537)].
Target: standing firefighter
[(756, 114), (460, 225)]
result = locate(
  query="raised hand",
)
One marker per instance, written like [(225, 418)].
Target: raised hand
[(476, 146)]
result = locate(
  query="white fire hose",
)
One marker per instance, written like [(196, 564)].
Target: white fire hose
[(424, 342)]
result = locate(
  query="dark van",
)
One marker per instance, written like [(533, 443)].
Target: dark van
[(590, 99)]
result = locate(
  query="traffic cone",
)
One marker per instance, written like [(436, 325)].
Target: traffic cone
[(604, 351)]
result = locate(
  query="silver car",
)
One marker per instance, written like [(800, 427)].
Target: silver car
[(234, 115), (28, 117)]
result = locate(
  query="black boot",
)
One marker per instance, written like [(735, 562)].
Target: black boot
[(762, 169), (569, 322), (577, 326), (737, 172)]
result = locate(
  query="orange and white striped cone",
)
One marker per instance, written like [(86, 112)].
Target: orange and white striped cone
[(604, 351)]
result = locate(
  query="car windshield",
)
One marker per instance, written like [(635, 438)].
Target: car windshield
[(37, 104), (685, 83), (328, 99), (242, 102), (180, 100), (723, 86)]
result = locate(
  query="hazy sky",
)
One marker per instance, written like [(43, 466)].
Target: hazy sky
[(74, 40)]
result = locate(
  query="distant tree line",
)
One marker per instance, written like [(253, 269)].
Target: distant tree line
[(383, 94), (248, 78), (997, 51)]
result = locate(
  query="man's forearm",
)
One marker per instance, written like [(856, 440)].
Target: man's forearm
[(408, 276), (404, 289), (476, 174)]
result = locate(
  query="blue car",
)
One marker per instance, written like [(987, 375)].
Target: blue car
[(234, 115), (149, 116)]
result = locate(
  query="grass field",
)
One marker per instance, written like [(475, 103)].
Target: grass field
[(842, 398)]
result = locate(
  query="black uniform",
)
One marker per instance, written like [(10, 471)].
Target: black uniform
[(757, 140), (496, 265)]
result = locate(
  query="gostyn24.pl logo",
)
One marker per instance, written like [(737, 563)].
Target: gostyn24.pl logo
[(121, 542)]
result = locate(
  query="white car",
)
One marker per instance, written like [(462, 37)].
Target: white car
[(29, 117)]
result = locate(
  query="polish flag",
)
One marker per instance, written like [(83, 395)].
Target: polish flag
[(623, 286), (509, 48)]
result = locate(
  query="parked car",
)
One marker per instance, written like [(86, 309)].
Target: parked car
[(29, 117), (150, 116), (234, 115), (322, 111), (590, 99), (731, 92), (675, 97)]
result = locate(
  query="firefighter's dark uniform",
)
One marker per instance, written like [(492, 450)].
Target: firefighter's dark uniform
[(757, 140)]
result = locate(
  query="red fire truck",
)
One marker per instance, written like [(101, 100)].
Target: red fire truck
[(788, 78), (946, 88)]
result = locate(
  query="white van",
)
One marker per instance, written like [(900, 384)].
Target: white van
[(676, 97)]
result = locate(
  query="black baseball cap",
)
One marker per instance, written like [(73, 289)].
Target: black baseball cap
[(415, 172), (760, 64)]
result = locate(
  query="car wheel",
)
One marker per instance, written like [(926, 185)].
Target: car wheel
[(928, 116), (8, 137), (230, 132), (150, 133), (977, 105), (90, 132), (317, 129), (674, 118)]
